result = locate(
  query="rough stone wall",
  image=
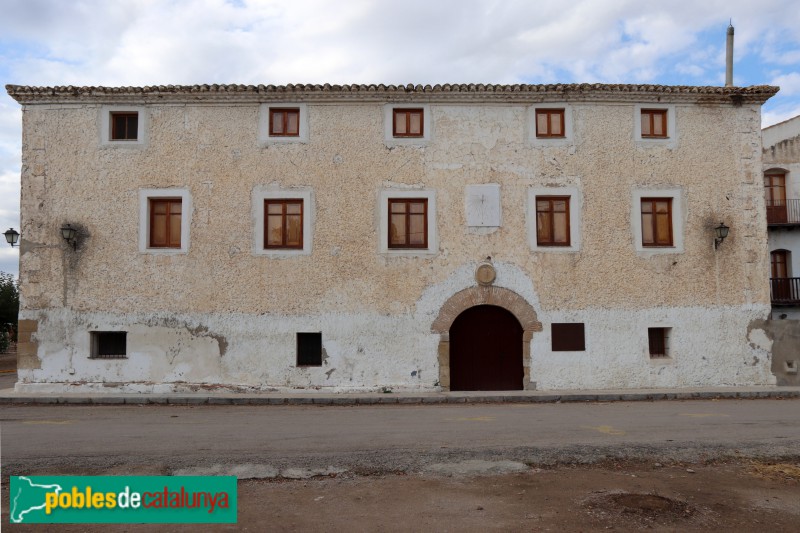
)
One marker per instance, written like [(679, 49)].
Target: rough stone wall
[(375, 310)]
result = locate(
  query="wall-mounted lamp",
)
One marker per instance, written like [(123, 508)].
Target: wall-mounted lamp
[(720, 232), (70, 235), (12, 236)]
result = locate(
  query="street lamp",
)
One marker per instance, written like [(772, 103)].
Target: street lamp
[(12, 236), (720, 232), (69, 234)]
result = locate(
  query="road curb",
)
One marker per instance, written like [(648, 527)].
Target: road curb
[(345, 399)]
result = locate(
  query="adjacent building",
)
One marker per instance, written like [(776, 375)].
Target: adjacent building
[(454, 237), (781, 163), (781, 166)]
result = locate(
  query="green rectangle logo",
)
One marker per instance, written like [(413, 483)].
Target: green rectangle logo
[(123, 500)]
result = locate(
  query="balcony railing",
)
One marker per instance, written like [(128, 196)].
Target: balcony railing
[(783, 212), (785, 291)]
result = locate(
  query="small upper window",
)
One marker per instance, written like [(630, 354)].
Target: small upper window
[(552, 221), (165, 222), (657, 222), (550, 123), (408, 222), (124, 126), (284, 122), (654, 123), (408, 122), (283, 224)]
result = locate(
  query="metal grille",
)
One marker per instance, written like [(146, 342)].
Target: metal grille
[(109, 344), (658, 341)]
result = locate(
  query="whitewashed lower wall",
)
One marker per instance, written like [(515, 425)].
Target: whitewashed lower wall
[(368, 352), (364, 351), (707, 346)]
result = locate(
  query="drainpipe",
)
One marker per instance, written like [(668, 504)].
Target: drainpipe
[(729, 58)]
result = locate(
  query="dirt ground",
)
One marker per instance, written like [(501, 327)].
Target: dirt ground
[(735, 496)]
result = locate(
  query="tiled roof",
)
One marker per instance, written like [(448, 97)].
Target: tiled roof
[(444, 92)]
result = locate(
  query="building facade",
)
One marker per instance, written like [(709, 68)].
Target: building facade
[(781, 167), (456, 237)]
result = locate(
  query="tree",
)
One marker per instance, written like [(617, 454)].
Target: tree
[(9, 309)]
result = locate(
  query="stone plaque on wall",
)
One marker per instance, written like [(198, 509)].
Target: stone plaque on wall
[(482, 205)]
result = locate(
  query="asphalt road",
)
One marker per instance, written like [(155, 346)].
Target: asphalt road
[(263, 440)]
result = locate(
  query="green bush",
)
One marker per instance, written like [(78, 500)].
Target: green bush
[(9, 309), (5, 341)]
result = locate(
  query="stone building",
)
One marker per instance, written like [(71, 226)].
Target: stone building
[(402, 237)]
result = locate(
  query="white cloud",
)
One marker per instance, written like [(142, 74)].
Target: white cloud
[(789, 83)]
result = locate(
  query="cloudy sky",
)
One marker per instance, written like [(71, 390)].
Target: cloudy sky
[(160, 42)]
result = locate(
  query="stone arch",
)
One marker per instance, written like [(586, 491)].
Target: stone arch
[(471, 297)]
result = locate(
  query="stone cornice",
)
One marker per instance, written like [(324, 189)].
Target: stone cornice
[(447, 93)]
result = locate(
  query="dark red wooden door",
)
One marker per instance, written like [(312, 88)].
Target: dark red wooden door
[(486, 350)]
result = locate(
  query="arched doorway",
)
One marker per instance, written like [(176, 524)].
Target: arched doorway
[(486, 350)]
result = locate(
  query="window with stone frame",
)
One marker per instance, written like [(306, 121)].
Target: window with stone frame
[(550, 123), (654, 123), (407, 122), (657, 222), (552, 221), (408, 223), (165, 222), (124, 126), (284, 122), (283, 224)]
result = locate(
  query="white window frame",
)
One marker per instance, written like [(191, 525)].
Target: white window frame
[(264, 137), (104, 123), (575, 210), (145, 195), (670, 141), (262, 193), (678, 220), (388, 129), (383, 223), (569, 133)]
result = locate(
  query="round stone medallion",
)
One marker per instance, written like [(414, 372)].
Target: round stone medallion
[(485, 274)]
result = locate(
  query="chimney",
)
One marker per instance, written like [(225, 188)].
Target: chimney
[(729, 58)]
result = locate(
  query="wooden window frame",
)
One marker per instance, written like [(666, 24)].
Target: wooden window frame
[(169, 201), (651, 114), (550, 213), (285, 112), (658, 342), (775, 197), (283, 202), (407, 245), (114, 133), (778, 258), (550, 113), (656, 243), (406, 112)]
